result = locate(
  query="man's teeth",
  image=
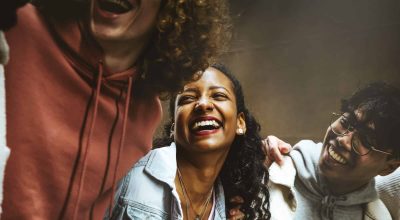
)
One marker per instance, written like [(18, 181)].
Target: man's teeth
[(123, 4), (199, 124), (115, 6), (336, 156)]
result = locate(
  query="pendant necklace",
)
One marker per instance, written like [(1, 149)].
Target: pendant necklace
[(198, 216)]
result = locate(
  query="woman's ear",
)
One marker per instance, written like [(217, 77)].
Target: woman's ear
[(390, 166), (240, 124)]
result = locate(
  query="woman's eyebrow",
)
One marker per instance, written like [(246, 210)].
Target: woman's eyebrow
[(195, 90), (220, 87)]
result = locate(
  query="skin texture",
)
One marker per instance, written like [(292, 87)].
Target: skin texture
[(123, 36), (359, 170), (243, 171), (201, 154), (210, 96)]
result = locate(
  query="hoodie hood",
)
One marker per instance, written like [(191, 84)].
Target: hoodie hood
[(89, 124), (305, 157)]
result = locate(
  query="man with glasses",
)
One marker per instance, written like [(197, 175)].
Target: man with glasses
[(335, 179)]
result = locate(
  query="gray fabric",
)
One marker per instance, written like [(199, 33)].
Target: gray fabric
[(314, 199), (389, 191)]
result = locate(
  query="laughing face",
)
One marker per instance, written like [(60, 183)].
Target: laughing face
[(123, 20), (206, 117), (340, 164)]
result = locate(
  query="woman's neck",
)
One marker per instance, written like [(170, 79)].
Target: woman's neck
[(197, 175)]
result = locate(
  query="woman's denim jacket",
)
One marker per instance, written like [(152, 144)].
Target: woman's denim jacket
[(148, 190)]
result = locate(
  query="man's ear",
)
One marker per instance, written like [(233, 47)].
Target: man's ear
[(391, 166), (240, 124)]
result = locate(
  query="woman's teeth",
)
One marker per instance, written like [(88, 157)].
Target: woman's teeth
[(336, 156), (207, 123)]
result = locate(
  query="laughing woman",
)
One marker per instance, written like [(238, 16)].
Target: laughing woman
[(215, 152)]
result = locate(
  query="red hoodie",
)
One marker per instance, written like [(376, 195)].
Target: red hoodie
[(66, 120)]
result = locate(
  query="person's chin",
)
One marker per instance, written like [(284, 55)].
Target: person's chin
[(103, 32)]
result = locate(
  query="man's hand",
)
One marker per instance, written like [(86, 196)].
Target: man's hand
[(235, 213), (275, 148)]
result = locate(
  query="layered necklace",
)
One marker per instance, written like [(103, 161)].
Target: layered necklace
[(189, 203)]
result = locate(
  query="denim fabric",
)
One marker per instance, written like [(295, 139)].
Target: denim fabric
[(148, 190)]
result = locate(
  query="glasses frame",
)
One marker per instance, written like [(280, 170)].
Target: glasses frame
[(335, 117)]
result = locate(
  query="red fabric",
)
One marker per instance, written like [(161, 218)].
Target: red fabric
[(48, 92)]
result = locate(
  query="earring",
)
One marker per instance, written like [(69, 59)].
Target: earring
[(171, 130), (240, 131)]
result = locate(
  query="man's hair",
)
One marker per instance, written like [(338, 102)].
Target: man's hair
[(380, 104), (243, 173), (8, 9), (188, 35)]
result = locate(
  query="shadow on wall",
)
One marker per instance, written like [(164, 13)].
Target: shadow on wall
[(296, 59)]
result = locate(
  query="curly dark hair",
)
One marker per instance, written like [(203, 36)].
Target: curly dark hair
[(380, 103), (243, 173), (189, 35)]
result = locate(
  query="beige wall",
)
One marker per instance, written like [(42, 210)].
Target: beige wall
[(296, 59)]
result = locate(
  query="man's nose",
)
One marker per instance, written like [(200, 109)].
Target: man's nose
[(345, 140), (204, 104)]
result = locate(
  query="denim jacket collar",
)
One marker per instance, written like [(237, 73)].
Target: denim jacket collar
[(162, 166)]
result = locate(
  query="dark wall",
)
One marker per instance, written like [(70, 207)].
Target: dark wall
[(296, 59)]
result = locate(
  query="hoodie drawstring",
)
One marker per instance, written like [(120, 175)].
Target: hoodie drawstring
[(100, 77), (92, 123), (122, 140)]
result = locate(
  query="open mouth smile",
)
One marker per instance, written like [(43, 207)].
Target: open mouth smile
[(335, 156), (205, 125), (115, 6)]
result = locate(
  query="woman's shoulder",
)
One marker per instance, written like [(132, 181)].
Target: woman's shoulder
[(145, 189)]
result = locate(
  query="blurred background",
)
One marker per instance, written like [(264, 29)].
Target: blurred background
[(297, 58)]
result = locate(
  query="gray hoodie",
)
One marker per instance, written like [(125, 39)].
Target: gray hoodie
[(314, 199)]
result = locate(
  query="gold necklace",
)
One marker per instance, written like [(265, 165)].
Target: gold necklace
[(189, 201)]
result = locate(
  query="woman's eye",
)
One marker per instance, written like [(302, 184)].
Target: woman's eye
[(185, 99), (220, 96)]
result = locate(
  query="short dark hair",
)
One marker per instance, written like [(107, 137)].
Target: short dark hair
[(243, 173), (8, 10), (380, 103)]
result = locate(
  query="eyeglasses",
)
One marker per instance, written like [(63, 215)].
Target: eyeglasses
[(360, 142)]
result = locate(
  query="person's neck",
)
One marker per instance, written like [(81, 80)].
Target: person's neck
[(199, 173), (120, 56)]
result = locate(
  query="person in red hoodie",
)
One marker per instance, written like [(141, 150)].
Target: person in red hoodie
[(82, 87)]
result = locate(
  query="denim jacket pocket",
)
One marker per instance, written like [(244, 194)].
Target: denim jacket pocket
[(141, 212)]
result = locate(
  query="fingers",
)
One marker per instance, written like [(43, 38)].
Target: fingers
[(238, 216), (275, 148), (235, 213), (236, 200)]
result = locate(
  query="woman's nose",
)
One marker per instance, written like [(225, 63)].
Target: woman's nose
[(204, 104)]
